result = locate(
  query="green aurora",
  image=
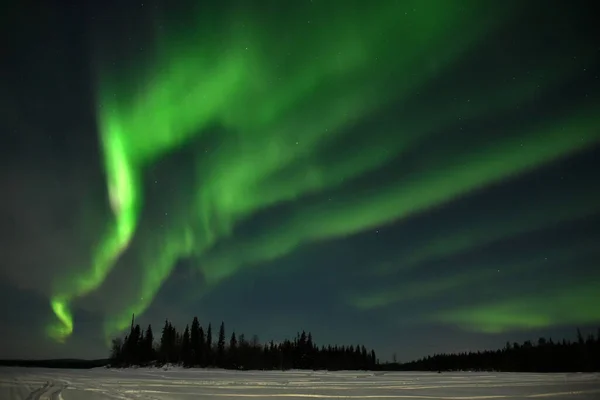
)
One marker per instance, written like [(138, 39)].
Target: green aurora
[(288, 107)]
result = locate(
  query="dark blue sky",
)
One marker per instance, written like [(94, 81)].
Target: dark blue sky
[(511, 259)]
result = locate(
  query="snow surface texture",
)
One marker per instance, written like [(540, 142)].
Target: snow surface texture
[(152, 384)]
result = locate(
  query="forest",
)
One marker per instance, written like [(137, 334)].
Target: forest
[(581, 355), (195, 347)]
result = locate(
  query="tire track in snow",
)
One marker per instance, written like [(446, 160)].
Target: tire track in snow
[(49, 391), (37, 393)]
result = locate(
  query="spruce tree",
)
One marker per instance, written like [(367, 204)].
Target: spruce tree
[(116, 351), (165, 342), (221, 346), (185, 347), (140, 348), (233, 350), (148, 346), (373, 360), (209, 352), (364, 358), (201, 348), (133, 345), (195, 342)]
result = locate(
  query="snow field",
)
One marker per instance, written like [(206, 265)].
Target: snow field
[(177, 383)]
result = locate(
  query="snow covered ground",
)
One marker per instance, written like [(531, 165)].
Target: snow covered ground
[(32, 384)]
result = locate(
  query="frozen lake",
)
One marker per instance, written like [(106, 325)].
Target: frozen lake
[(154, 384)]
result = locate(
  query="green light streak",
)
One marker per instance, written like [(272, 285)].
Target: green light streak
[(575, 304), (423, 189), (526, 215), (482, 273), (124, 199), (419, 289), (63, 329)]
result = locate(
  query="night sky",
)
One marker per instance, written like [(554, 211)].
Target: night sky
[(415, 176)]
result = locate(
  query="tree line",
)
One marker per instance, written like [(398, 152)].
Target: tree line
[(195, 347), (581, 355)]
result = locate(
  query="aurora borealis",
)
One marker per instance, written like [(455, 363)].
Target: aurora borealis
[(408, 166)]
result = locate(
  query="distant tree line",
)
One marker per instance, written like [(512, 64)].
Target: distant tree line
[(582, 355), (194, 347), (57, 363)]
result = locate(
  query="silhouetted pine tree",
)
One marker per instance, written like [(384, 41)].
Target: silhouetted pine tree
[(195, 344), (202, 349), (132, 346), (147, 346), (209, 349), (168, 344), (186, 349), (364, 358), (116, 355), (232, 363), (221, 347)]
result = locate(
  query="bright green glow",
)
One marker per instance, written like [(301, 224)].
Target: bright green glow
[(575, 304), (64, 328), (284, 102), (123, 192), (122, 188)]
